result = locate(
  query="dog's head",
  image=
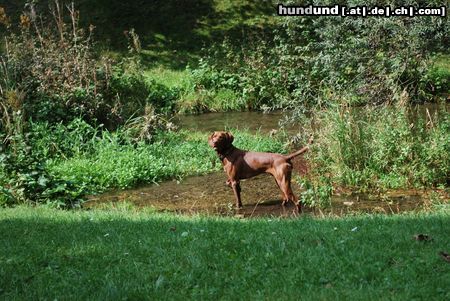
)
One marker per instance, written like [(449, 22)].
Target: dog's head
[(220, 141)]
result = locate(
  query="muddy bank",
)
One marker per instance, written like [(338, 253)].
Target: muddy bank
[(208, 194)]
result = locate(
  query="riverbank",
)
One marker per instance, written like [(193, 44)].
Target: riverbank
[(371, 151)]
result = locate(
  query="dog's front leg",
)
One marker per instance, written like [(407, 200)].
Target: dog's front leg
[(237, 191)]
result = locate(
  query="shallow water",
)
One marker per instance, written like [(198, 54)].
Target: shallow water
[(266, 122), (252, 121), (209, 194)]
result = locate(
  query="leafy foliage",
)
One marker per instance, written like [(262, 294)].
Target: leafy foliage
[(116, 160), (318, 61), (25, 179), (52, 73), (59, 98), (53, 65)]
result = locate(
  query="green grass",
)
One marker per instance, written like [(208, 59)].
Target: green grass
[(442, 61), (113, 163), (171, 78), (129, 254), (438, 76), (192, 97)]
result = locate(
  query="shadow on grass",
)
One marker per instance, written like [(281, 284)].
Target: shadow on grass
[(172, 32), (104, 254)]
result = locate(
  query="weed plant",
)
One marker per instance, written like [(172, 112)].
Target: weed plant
[(77, 158)]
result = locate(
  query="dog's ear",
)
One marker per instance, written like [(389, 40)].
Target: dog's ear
[(230, 137)]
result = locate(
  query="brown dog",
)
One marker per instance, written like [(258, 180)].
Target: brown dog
[(240, 164)]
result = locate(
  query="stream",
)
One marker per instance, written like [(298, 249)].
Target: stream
[(208, 194)]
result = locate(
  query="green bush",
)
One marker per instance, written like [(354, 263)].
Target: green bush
[(248, 72), (437, 79), (26, 159), (53, 90), (161, 97), (51, 72), (53, 65), (316, 193), (25, 179)]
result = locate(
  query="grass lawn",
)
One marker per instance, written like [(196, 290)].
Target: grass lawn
[(138, 254)]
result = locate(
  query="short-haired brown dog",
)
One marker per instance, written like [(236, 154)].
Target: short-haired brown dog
[(240, 164)]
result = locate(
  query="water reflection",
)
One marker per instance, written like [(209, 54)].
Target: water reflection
[(253, 121)]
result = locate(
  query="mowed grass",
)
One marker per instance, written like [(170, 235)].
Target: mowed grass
[(119, 254)]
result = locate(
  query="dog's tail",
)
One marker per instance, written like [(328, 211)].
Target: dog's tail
[(301, 151)]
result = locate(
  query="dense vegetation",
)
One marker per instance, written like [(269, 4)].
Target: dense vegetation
[(321, 61), (85, 107), (379, 148)]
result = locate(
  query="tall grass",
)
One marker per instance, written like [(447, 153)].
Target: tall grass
[(388, 147), (61, 163)]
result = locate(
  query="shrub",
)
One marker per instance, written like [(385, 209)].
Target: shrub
[(24, 179), (50, 73), (53, 64), (248, 72), (162, 98), (52, 141), (27, 173), (437, 78)]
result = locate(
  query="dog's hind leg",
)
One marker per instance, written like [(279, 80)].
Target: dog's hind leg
[(283, 179)]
